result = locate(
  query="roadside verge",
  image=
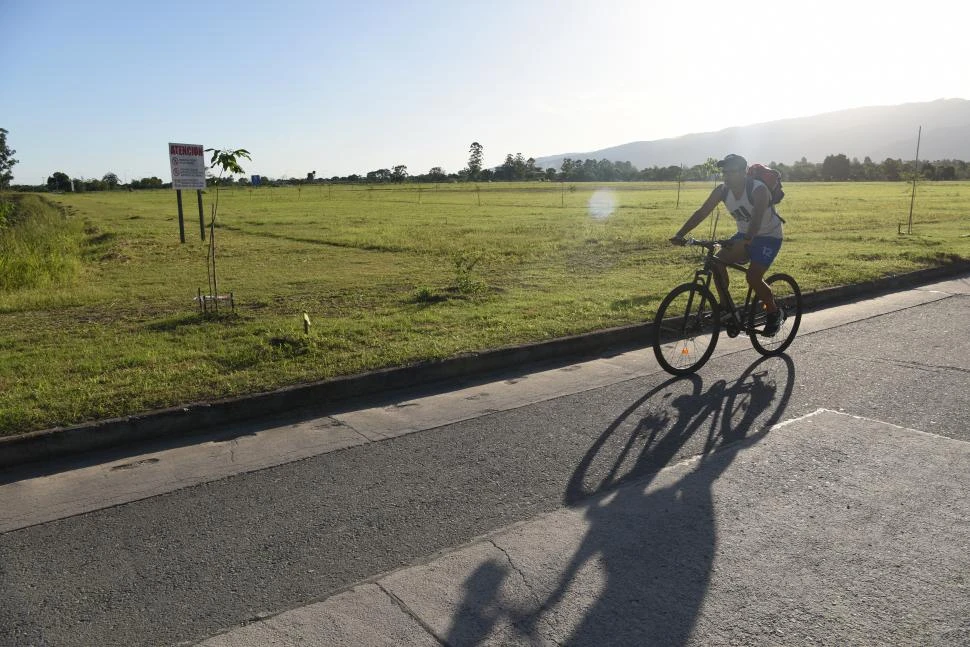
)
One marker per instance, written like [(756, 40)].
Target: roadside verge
[(188, 419)]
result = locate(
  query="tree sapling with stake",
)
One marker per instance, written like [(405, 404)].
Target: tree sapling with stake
[(228, 162)]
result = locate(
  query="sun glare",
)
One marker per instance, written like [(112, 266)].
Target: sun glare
[(602, 204)]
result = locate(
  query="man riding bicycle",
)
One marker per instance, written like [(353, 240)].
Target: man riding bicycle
[(758, 238)]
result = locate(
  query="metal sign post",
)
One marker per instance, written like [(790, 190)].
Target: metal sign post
[(201, 217), (178, 196), (188, 172)]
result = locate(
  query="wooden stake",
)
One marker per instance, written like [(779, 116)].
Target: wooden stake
[(915, 175)]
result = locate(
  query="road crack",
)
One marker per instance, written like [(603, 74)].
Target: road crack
[(540, 606), (411, 614)]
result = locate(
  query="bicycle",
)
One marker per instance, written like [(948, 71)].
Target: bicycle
[(690, 318)]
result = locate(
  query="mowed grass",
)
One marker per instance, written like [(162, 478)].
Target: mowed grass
[(390, 276)]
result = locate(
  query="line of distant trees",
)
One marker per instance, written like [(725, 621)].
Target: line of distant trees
[(834, 168), (62, 182), (838, 168)]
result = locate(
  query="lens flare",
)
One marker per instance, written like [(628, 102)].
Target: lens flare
[(602, 204)]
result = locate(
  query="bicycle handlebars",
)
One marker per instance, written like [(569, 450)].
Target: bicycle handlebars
[(709, 245)]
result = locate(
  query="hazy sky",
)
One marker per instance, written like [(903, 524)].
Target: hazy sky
[(347, 87)]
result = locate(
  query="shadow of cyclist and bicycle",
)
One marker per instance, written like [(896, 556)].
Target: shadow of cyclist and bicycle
[(642, 568)]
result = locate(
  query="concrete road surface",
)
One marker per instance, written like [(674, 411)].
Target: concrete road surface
[(815, 498)]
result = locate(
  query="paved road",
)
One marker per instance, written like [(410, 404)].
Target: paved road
[(438, 499)]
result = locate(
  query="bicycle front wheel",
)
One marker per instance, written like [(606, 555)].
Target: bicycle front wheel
[(788, 297), (685, 329)]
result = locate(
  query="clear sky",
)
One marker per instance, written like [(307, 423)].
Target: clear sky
[(344, 87)]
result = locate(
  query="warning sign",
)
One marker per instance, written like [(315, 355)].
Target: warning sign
[(188, 166)]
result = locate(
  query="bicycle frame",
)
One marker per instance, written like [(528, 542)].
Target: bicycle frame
[(706, 275), (686, 326)]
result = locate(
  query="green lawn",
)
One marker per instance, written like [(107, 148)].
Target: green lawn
[(105, 323)]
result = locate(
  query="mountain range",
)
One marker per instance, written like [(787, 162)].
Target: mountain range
[(877, 132)]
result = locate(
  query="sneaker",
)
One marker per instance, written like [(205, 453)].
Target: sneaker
[(773, 322)]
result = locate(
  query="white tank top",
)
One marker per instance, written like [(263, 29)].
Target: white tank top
[(742, 208)]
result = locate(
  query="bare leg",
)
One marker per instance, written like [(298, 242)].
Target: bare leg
[(756, 279), (722, 280)]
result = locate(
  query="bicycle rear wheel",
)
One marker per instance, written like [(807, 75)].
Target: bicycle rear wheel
[(685, 329), (788, 297)]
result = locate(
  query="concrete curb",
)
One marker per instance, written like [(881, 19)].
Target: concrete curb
[(183, 421)]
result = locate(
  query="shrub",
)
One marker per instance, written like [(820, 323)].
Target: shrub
[(39, 247)]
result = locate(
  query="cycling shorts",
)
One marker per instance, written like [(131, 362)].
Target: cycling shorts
[(762, 249)]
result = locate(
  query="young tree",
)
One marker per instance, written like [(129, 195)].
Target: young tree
[(228, 162), (710, 169), (6, 160)]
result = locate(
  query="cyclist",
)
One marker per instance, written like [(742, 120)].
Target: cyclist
[(758, 238)]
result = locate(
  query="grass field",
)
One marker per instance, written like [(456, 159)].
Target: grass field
[(98, 316)]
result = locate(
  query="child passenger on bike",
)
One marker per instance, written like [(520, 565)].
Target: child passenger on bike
[(758, 238)]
